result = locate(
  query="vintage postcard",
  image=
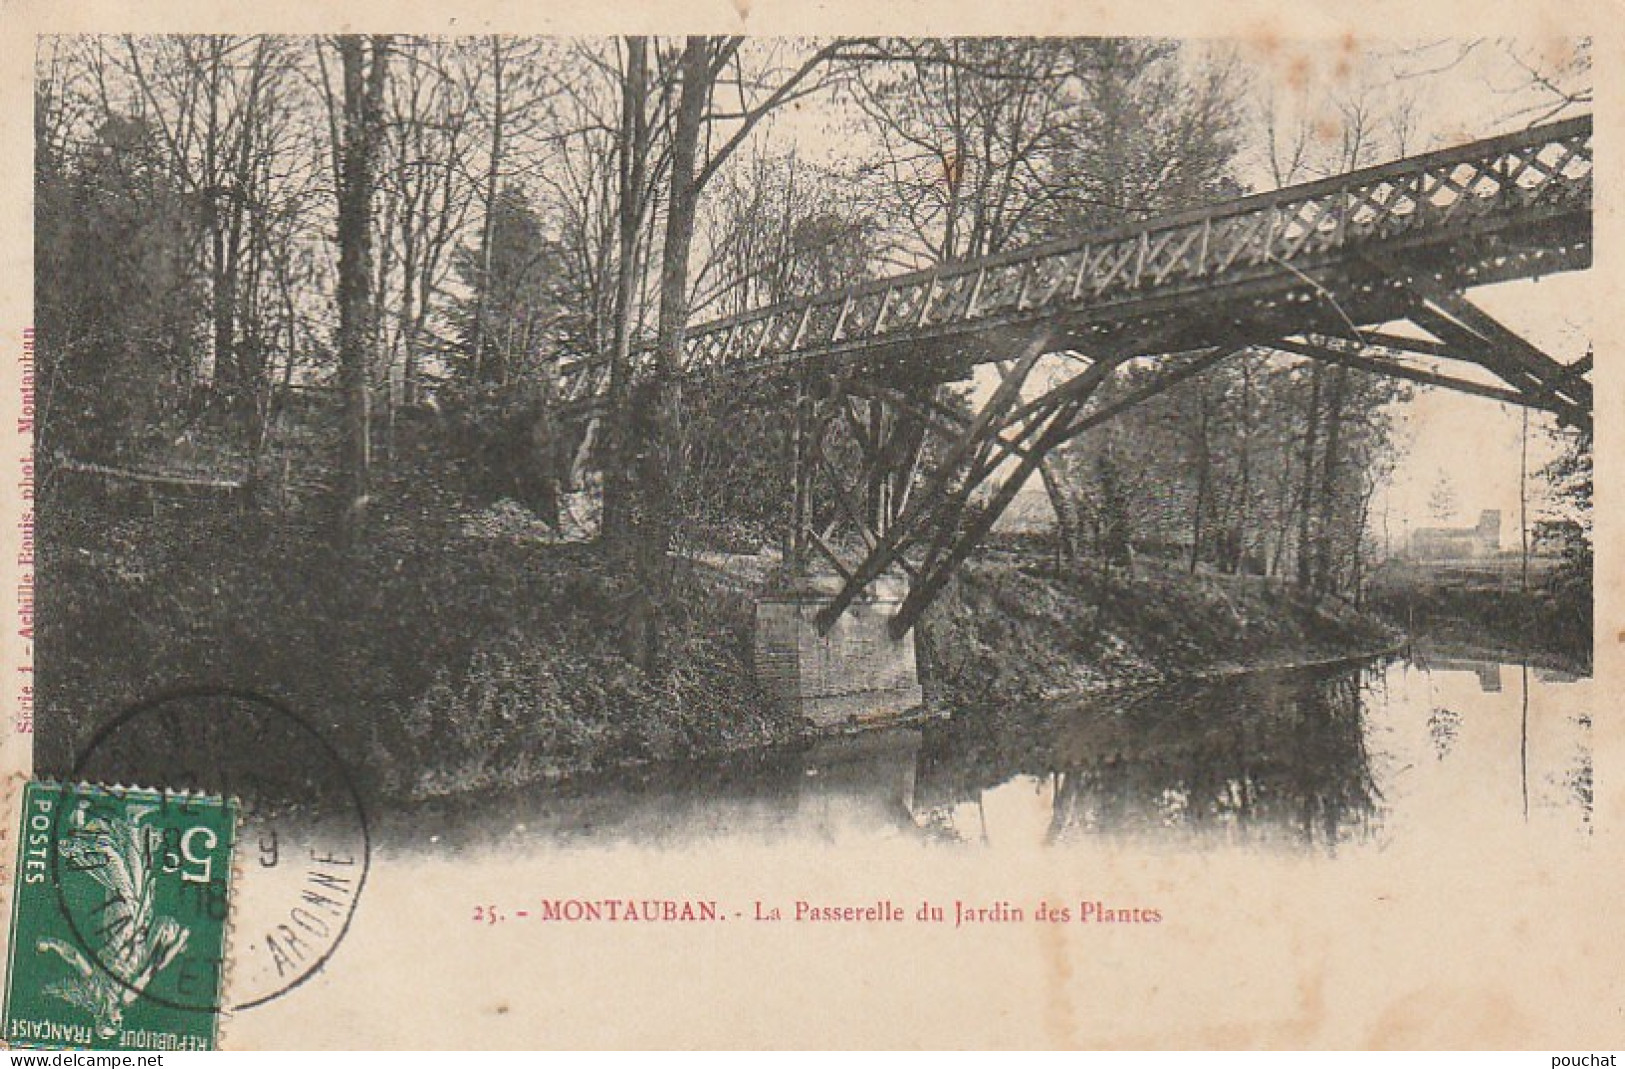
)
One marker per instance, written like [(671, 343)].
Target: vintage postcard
[(736, 526)]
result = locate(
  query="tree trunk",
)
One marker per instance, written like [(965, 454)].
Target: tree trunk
[(1306, 498), (1357, 557), (493, 177), (409, 318), (1245, 462), (221, 284), (1328, 478), (1066, 525), (246, 369), (657, 426), (363, 106), (1523, 504), (617, 522), (795, 538), (1204, 462)]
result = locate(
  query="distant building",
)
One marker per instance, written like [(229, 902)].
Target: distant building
[(1459, 543)]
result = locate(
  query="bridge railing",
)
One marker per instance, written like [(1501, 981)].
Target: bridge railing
[(1436, 193)]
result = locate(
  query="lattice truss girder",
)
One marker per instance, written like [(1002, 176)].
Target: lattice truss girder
[(1503, 207)]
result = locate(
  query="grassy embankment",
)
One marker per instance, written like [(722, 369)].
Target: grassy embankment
[(1006, 633), (453, 653), (1489, 611)]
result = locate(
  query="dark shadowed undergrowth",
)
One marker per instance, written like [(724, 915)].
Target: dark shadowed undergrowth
[(436, 656), (443, 656)]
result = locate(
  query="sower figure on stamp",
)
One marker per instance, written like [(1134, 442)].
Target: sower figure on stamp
[(135, 945)]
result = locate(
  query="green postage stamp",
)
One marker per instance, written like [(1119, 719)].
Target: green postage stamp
[(118, 925)]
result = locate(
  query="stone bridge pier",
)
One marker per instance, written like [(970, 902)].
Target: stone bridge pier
[(855, 672)]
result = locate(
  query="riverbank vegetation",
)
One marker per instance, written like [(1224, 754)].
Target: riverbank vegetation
[(458, 650), (1009, 633), (477, 651)]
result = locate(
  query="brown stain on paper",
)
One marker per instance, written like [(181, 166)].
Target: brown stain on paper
[(1433, 1018), (1060, 1016), (1348, 50)]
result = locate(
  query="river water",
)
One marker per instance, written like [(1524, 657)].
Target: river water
[(1333, 759), (1255, 816)]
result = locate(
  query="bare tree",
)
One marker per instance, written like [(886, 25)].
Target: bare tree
[(713, 94), (364, 64), (209, 97), (429, 186), (506, 86)]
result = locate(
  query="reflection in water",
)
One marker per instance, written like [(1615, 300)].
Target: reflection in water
[(1523, 738), (1254, 758), (1317, 759), (1488, 672), (1443, 726)]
